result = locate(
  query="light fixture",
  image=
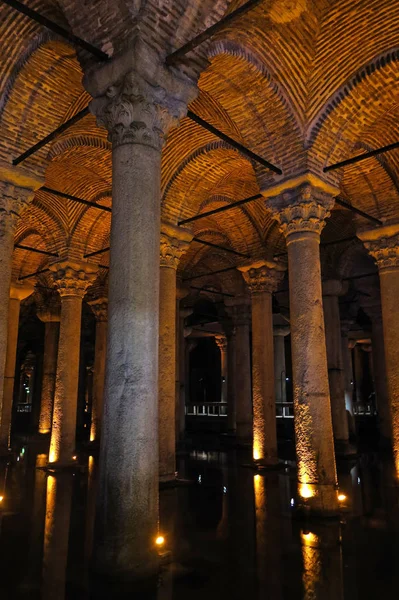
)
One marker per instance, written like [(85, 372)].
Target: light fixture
[(74, 457), (341, 497), (1, 498), (160, 540), (306, 491)]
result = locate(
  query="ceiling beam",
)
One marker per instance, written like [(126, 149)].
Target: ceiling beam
[(211, 31), (75, 199), (224, 248), (61, 31), (262, 161), (358, 211), (210, 273), (37, 250), (204, 289), (220, 209), (360, 157)]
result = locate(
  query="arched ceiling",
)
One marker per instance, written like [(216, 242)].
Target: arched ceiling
[(303, 83)]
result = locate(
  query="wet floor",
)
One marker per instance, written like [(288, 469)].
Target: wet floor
[(229, 534)]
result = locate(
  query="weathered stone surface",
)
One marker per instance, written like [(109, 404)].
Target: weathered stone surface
[(99, 306)]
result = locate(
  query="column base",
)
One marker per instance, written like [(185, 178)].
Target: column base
[(316, 500)]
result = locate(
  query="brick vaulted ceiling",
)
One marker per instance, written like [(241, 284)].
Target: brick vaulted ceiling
[(304, 83)]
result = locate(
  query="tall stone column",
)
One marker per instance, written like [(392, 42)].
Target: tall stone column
[(332, 289), (221, 343), (301, 212), (50, 315), (16, 193), (174, 242), (262, 279), (100, 310), (280, 374), (231, 387), (71, 278), (383, 245), (241, 319), (359, 375), (183, 370), (348, 374), (379, 368), (18, 292), (138, 106)]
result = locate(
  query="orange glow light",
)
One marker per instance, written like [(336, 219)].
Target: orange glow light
[(341, 497), (306, 491), (160, 540)]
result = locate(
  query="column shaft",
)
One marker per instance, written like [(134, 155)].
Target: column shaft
[(279, 369), (380, 378), (336, 374), (100, 354), (313, 424), (231, 382), (9, 372), (167, 365), (243, 383), (6, 250), (63, 431), (51, 335), (264, 408)]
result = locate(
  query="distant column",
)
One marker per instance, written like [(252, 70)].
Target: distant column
[(241, 320), (50, 315), (100, 310), (280, 374), (221, 343), (231, 385)]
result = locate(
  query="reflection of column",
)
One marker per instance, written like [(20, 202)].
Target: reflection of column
[(301, 212), (383, 245), (174, 242), (100, 310), (138, 108), (221, 343), (18, 292), (32, 576), (322, 563), (242, 373), (332, 289), (280, 374), (231, 389), (13, 201), (380, 378), (51, 319), (56, 535), (262, 279), (71, 279)]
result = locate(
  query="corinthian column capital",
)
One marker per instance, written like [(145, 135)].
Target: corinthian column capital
[(302, 205), (137, 98), (174, 243), (221, 342), (72, 278), (262, 276), (383, 245), (99, 306)]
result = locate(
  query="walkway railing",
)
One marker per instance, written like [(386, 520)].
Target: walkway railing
[(207, 409)]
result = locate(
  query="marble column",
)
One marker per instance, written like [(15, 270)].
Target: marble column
[(359, 376), (18, 292), (379, 369), (301, 211), (100, 310), (71, 278), (280, 374), (242, 372), (221, 343), (383, 245), (332, 289), (50, 315), (347, 346), (138, 100), (183, 370), (174, 242), (262, 278), (16, 193), (231, 386)]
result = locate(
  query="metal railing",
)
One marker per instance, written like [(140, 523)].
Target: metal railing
[(207, 409), (284, 410)]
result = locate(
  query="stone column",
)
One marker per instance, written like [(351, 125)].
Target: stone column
[(15, 195), (332, 289), (18, 292), (231, 388), (383, 245), (379, 368), (174, 242), (183, 381), (262, 279), (71, 278), (50, 315), (280, 374), (100, 310), (348, 374), (138, 106), (301, 212), (221, 343), (242, 371)]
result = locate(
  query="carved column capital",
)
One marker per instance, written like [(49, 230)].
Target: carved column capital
[(301, 209), (221, 343), (13, 201), (99, 306), (143, 103), (262, 276), (173, 244), (383, 245), (72, 278)]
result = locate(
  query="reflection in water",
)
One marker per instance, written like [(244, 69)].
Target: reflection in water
[(56, 534), (322, 562)]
